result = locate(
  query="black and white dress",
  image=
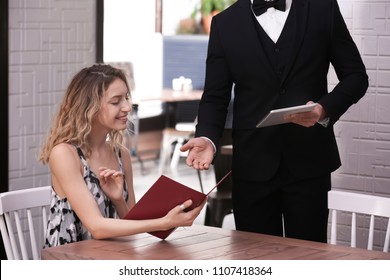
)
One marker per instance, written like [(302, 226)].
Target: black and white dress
[(64, 226)]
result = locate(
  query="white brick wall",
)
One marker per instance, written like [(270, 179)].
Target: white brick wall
[(49, 42), (363, 133)]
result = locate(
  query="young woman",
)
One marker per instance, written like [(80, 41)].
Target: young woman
[(91, 171)]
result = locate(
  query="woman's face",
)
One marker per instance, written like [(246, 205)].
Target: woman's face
[(115, 106)]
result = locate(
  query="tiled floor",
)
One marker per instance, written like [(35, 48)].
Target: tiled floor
[(183, 174)]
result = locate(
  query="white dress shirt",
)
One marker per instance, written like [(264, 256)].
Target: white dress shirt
[(273, 20)]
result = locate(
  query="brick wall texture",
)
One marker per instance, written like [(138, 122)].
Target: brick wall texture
[(49, 42)]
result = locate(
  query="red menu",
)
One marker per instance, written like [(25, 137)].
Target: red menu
[(164, 195)]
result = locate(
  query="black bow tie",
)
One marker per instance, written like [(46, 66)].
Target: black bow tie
[(260, 6)]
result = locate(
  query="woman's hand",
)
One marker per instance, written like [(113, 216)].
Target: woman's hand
[(178, 216), (111, 182)]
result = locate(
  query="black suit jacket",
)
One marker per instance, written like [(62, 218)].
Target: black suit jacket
[(235, 55)]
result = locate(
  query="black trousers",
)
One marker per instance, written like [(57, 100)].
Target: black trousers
[(284, 205)]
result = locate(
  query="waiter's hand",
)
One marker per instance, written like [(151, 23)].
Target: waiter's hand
[(308, 119), (200, 153)]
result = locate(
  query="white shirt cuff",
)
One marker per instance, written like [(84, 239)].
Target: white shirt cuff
[(208, 139), (324, 122)]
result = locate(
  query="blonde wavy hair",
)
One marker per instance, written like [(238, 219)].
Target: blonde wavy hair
[(80, 105)]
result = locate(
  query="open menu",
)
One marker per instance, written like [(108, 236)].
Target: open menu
[(164, 195), (277, 116)]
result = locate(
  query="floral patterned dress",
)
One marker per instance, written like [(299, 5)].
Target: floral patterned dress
[(64, 226)]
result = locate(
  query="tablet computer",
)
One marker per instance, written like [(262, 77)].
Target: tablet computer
[(277, 116)]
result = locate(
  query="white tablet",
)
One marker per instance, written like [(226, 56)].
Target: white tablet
[(277, 116)]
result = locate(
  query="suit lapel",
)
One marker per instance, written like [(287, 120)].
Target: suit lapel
[(248, 21), (300, 21), (246, 18)]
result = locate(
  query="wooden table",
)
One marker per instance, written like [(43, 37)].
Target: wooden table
[(201, 242), (169, 97)]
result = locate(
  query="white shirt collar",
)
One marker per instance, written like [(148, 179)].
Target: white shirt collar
[(273, 20)]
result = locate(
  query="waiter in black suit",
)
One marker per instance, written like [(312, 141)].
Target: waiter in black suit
[(277, 54)]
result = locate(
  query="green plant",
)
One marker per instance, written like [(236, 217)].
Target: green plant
[(199, 20), (208, 6)]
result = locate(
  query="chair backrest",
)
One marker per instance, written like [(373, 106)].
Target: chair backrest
[(18, 211), (356, 203)]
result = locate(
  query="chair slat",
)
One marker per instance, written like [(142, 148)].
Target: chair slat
[(34, 247), (44, 221), (387, 238), (6, 239), (333, 235), (353, 231), (19, 231), (370, 244), (10, 228)]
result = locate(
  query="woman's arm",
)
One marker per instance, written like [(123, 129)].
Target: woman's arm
[(68, 182)]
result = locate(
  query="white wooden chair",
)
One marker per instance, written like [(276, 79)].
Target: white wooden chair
[(356, 203), (17, 215)]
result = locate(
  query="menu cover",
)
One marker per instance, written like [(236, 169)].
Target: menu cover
[(162, 196)]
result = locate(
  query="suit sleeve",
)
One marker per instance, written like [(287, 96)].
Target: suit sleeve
[(213, 106), (349, 68)]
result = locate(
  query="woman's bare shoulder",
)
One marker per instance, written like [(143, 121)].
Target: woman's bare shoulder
[(63, 151)]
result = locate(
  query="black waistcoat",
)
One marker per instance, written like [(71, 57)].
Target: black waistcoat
[(279, 53)]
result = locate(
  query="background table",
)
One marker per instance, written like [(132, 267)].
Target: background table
[(146, 132), (169, 95)]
